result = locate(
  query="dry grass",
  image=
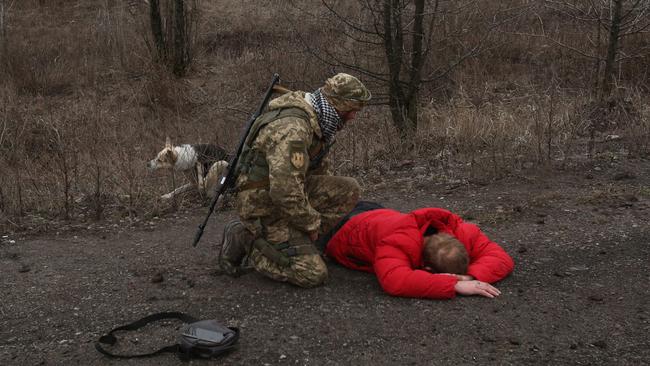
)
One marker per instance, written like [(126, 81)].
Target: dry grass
[(83, 106)]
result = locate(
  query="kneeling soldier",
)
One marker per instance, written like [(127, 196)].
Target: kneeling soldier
[(286, 195)]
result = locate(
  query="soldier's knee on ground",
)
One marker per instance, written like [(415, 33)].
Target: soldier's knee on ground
[(305, 270), (309, 271)]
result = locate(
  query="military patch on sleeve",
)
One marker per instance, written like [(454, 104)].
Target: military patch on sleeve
[(297, 154)]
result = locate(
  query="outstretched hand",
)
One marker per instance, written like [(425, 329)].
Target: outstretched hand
[(469, 288)]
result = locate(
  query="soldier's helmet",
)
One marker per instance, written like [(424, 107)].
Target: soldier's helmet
[(346, 93)]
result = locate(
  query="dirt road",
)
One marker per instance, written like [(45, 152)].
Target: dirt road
[(578, 294)]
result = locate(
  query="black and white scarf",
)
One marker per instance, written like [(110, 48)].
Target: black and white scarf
[(328, 118)]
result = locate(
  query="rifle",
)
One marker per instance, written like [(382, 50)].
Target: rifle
[(228, 178)]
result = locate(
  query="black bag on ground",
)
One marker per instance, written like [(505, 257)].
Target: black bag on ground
[(197, 339)]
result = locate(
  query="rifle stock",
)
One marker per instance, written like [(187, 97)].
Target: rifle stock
[(228, 179)]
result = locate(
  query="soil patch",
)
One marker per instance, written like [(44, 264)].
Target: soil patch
[(578, 294)]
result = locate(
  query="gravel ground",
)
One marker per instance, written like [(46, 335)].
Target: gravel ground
[(578, 294)]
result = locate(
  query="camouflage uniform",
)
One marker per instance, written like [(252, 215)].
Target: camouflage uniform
[(296, 198)]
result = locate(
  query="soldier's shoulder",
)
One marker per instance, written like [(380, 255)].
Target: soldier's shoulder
[(292, 99), (288, 125), (280, 129)]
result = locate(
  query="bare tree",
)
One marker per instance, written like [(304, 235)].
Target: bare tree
[(181, 43), (173, 26), (402, 95), (405, 46), (608, 24), (157, 29), (5, 6)]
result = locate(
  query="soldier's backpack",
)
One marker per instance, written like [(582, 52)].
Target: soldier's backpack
[(197, 338), (254, 164)]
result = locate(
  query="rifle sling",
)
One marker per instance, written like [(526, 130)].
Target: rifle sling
[(281, 254)]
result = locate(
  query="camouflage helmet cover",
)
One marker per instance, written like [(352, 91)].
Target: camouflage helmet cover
[(345, 92)]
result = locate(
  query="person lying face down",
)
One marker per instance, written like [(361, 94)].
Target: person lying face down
[(426, 253)]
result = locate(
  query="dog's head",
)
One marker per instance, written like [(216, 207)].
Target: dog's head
[(165, 159)]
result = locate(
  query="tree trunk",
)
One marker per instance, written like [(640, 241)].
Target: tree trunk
[(417, 60), (612, 50), (412, 113), (403, 94), (403, 110), (397, 109), (393, 42), (156, 28), (598, 61), (3, 34), (180, 41)]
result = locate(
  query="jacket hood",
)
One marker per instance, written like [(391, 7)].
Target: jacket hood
[(441, 219), (296, 99)]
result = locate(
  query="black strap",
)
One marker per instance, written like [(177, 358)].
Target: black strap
[(110, 339), (272, 116), (271, 253)]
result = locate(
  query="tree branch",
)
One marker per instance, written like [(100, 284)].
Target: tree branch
[(418, 57), (331, 60), (345, 21)]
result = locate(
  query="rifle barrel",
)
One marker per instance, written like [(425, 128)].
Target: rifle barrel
[(228, 179)]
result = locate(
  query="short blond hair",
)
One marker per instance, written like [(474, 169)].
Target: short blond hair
[(445, 254)]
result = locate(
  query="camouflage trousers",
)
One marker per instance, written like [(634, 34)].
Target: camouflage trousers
[(333, 197)]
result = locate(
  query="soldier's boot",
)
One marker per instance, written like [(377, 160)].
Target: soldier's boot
[(236, 243)]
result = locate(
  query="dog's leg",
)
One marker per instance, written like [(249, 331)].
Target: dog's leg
[(200, 181)]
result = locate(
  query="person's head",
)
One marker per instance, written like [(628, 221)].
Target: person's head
[(443, 253), (346, 94)]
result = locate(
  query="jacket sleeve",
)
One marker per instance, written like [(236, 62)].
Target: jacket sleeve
[(285, 143), (398, 278), (488, 261)]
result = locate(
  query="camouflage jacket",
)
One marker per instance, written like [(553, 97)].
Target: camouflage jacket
[(286, 144)]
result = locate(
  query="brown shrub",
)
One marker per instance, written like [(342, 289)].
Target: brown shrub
[(83, 104)]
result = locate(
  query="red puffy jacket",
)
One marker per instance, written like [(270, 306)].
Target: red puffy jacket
[(389, 244)]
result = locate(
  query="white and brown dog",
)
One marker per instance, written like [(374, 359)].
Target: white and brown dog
[(202, 165)]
